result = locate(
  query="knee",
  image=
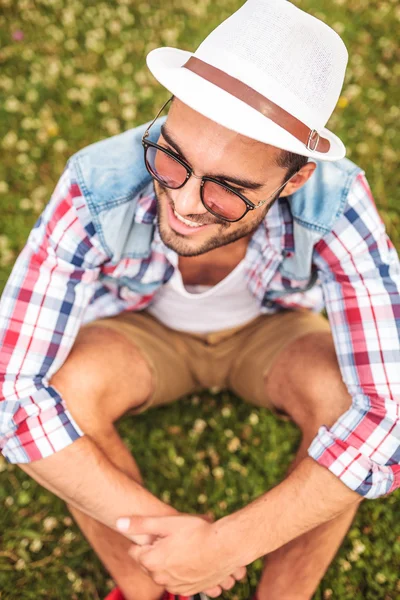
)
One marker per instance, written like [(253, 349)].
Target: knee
[(96, 382), (306, 382)]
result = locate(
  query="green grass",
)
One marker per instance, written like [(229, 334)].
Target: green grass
[(78, 75)]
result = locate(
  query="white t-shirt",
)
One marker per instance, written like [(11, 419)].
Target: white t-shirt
[(204, 309)]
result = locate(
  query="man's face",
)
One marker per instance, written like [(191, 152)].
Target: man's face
[(213, 150)]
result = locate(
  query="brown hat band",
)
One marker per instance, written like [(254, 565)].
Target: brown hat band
[(309, 137)]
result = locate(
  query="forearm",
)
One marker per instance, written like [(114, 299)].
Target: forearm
[(310, 496), (84, 477)]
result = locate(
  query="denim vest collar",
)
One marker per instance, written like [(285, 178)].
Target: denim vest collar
[(113, 179)]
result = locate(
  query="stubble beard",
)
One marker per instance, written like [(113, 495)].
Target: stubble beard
[(179, 243)]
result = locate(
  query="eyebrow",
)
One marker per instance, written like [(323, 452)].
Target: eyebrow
[(243, 183)]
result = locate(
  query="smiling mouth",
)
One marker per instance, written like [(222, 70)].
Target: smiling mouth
[(186, 221)]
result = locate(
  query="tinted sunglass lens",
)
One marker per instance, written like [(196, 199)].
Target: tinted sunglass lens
[(222, 201), (165, 169)]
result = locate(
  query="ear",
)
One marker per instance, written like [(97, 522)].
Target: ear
[(299, 179)]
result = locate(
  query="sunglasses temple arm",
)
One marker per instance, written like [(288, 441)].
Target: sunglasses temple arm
[(146, 133), (277, 190)]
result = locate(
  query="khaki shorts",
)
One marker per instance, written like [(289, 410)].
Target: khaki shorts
[(236, 359)]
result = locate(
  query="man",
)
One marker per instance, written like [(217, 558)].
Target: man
[(207, 264)]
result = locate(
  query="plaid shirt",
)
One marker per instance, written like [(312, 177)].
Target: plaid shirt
[(63, 278)]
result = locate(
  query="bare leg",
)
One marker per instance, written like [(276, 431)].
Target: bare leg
[(110, 546), (306, 383), (95, 411), (294, 571)]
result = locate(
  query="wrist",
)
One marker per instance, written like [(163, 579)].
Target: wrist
[(236, 540)]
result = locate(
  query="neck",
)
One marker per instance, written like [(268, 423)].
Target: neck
[(213, 266)]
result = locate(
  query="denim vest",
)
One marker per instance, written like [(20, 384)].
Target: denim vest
[(112, 174)]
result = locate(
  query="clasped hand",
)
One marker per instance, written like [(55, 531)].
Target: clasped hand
[(185, 554)]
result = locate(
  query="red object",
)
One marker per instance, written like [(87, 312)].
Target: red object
[(115, 594)]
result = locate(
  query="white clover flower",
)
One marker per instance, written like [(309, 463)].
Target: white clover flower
[(141, 77), (234, 444), (68, 536), (25, 204), (103, 107), (68, 17), (28, 123), (112, 126), (362, 148), (68, 71), (199, 425), (6, 83), (9, 140), (345, 565), (22, 159), (339, 27), (12, 104), (49, 524), (166, 496), (71, 44), (32, 96), (60, 145), (128, 113), (77, 585), (170, 36), (36, 545), (22, 145), (114, 27), (254, 419), (218, 472)]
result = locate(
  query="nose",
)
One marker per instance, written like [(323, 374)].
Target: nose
[(187, 199)]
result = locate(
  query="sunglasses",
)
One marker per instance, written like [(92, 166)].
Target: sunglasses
[(171, 171)]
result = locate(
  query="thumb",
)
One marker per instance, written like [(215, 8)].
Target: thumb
[(155, 526), (136, 552)]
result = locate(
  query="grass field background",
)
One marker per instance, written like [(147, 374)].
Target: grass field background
[(74, 72)]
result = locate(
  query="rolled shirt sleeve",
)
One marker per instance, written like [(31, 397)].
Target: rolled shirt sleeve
[(360, 275), (41, 310)]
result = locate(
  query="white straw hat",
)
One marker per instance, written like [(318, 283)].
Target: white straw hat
[(271, 72)]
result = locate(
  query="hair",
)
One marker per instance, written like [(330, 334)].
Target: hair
[(291, 162)]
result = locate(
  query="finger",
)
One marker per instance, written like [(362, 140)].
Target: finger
[(147, 557), (142, 540), (159, 579), (213, 592), (135, 552), (158, 526), (240, 573), (228, 583)]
